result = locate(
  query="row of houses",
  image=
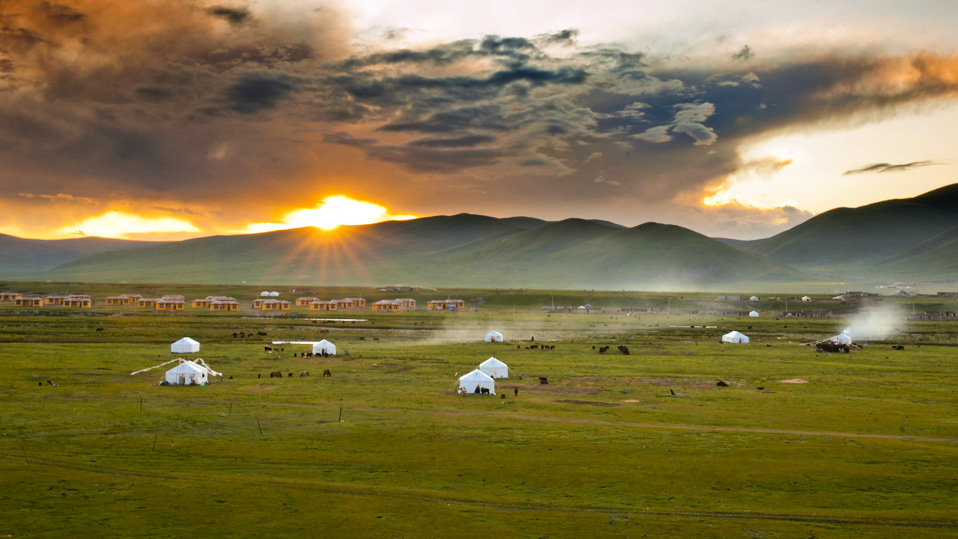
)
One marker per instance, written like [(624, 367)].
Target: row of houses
[(78, 301)]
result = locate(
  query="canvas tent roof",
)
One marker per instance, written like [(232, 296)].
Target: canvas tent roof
[(185, 345), (469, 381), (322, 345), (494, 368), (493, 336), (735, 337), (841, 338), (189, 373), (753, 314)]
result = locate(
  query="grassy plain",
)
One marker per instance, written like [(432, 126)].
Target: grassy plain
[(385, 448)]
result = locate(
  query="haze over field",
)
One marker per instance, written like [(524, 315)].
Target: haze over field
[(226, 117)]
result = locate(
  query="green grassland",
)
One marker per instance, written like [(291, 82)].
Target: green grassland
[(385, 447)]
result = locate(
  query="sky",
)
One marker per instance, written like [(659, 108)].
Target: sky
[(147, 119)]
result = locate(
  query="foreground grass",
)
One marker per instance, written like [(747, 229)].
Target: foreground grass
[(866, 448)]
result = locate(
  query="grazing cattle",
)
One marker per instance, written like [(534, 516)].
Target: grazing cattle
[(275, 374), (624, 349), (484, 391), (760, 388), (259, 375), (898, 347), (722, 383), (671, 392), (290, 375), (304, 373), (99, 329), (327, 373), (242, 334), (534, 346), (41, 383), (231, 377), (261, 333), (502, 396), (235, 335), (544, 380), (593, 347), (267, 348), (516, 392), (603, 349)]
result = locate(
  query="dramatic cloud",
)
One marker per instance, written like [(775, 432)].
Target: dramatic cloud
[(212, 105), (888, 167)]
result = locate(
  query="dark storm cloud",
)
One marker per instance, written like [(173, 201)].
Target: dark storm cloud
[(880, 168), (254, 93), (187, 103), (464, 141), (233, 15)]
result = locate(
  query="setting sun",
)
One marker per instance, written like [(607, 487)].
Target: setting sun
[(332, 212)]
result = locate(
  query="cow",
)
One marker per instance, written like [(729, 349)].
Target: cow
[(275, 374), (326, 373), (484, 391), (290, 375), (722, 383), (235, 335), (624, 349), (267, 348), (304, 373), (544, 380), (261, 333)]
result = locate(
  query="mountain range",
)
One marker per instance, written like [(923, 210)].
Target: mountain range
[(915, 239)]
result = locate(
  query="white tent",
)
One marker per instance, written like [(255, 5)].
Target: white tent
[(494, 368), (264, 294), (806, 298), (493, 336), (841, 338), (753, 314), (185, 345), (735, 337), (477, 380), (753, 298), (274, 294), (190, 373), (324, 346)]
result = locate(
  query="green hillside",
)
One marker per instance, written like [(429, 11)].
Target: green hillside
[(934, 258), (21, 257), (460, 250), (861, 236)]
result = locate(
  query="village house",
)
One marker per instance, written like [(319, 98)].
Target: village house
[(357, 302), (28, 301), (258, 303), (407, 303), (146, 303), (122, 299), (224, 304), (387, 306), (445, 304), (304, 302), (81, 301), (10, 296), (201, 303), (274, 305), (163, 304), (343, 303), (53, 300), (320, 305)]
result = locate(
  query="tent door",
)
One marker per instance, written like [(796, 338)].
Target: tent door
[(182, 380)]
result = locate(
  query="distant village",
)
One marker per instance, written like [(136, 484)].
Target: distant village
[(266, 302)]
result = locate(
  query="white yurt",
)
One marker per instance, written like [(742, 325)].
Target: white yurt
[(841, 338), (493, 336), (735, 337), (806, 298), (494, 368), (185, 345), (274, 294), (324, 346), (189, 373), (473, 382), (753, 314), (753, 298), (264, 294)]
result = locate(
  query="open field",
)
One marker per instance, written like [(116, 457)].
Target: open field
[(867, 447)]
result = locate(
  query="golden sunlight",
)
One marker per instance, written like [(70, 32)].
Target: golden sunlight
[(114, 224), (332, 212)]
